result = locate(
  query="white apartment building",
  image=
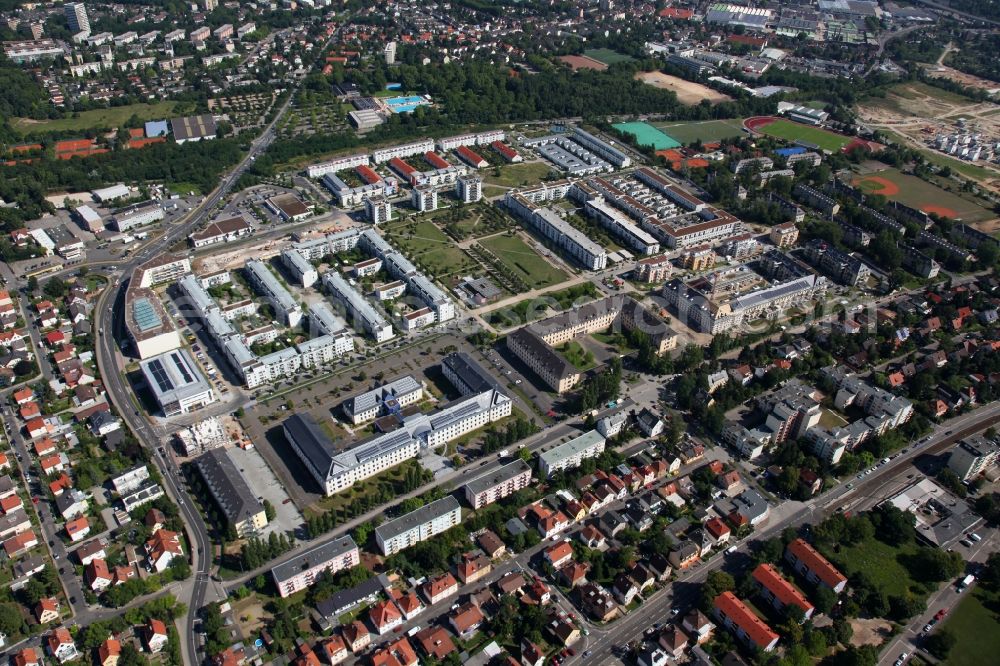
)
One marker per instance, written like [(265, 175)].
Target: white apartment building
[(299, 266), (572, 453), (302, 570), (268, 286), (130, 480), (386, 399), (405, 150), (419, 525), (333, 166), (505, 481)]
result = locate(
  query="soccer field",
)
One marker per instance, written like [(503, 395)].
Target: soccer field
[(707, 131), (792, 131), (607, 56)]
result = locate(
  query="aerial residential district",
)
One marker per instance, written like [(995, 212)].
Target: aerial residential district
[(500, 333)]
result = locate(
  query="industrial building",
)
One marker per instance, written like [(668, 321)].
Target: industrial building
[(176, 382)]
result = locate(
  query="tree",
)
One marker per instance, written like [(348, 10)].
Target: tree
[(940, 643), (824, 599), (715, 584), (11, 620), (32, 284), (55, 288), (269, 511), (931, 565)]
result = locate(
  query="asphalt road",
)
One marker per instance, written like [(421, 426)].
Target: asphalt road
[(109, 329)]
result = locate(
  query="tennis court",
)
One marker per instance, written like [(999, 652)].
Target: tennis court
[(647, 135)]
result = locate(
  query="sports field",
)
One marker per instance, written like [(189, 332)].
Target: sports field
[(647, 135), (607, 56), (706, 131), (917, 193), (96, 118), (525, 262), (792, 131)]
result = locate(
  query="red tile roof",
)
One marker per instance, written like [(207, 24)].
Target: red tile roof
[(785, 592), (741, 615), (816, 563)]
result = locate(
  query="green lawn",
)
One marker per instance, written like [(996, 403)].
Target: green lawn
[(531, 309), (918, 89), (516, 175), (532, 268), (830, 419), (878, 561), (607, 56), (429, 248), (919, 193), (97, 118), (581, 358), (793, 131), (705, 131), (976, 625)]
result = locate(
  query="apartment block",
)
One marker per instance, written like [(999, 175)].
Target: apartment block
[(420, 525), (505, 481)]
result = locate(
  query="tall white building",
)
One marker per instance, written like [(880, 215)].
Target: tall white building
[(76, 16), (390, 53), (419, 525)]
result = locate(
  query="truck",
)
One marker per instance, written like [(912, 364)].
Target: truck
[(504, 453), (966, 582)]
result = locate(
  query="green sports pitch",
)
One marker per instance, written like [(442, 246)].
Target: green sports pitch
[(793, 131), (647, 135)]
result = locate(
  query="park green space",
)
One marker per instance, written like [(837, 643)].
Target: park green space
[(581, 359), (919, 193), (879, 562), (975, 623), (793, 131), (707, 131), (96, 118), (607, 56), (531, 309), (520, 258), (429, 248), (647, 135), (517, 175)]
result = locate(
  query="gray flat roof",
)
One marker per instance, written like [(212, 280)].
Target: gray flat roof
[(228, 485), (501, 475), (316, 556), (572, 447), (173, 376), (311, 441), (424, 514)]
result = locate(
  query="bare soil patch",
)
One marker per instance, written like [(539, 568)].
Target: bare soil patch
[(688, 92)]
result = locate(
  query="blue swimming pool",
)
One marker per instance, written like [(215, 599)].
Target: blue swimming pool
[(405, 104)]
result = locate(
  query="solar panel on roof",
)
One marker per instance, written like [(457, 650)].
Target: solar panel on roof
[(182, 368), (160, 375), (145, 315)]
